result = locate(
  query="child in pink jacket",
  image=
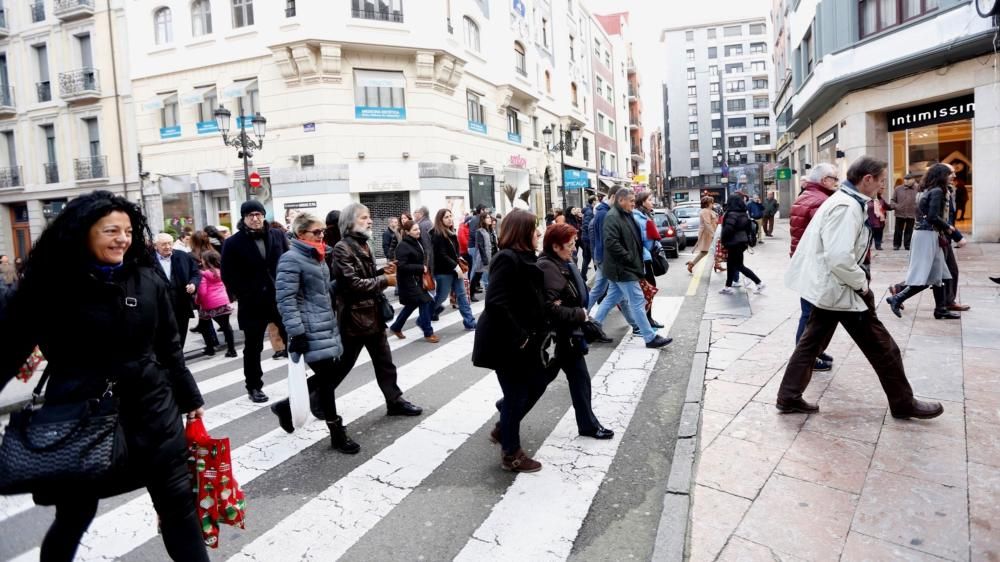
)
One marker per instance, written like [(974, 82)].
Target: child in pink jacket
[(213, 301)]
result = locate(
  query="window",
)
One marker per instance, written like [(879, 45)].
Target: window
[(387, 10), (378, 94), (738, 142), (760, 103), (610, 94), (545, 32), (692, 109), (611, 128), (736, 105), (572, 48), (711, 33), (51, 166), (162, 26), (535, 131), (243, 13), (756, 29), (168, 114), (736, 122), (716, 143), (201, 18), (471, 34), (758, 66), (695, 163), (760, 83), (251, 101), (548, 82), (762, 158), (734, 50), (600, 122), (206, 109), (713, 52), (693, 144), (586, 150), (93, 136), (689, 35), (690, 55), (716, 124), (573, 92), (603, 159), (520, 61), (713, 88), (716, 106), (613, 160), (757, 48), (693, 128), (692, 91), (732, 31), (600, 87), (597, 48), (290, 13), (513, 126), (713, 72), (734, 68), (607, 59), (475, 110), (761, 121), (807, 54), (44, 87), (736, 86), (690, 74), (762, 138)]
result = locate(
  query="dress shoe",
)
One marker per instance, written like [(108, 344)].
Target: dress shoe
[(257, 396), (995, 280), (433, 338), (210, 351), (821, 365), (600, 433), (959, 307), (403, 408), (231, 353), (895, 306), (658, 342), (519, 462), (438, 310), (284, 412), (655, 325), (825, 357), (398, 334), (919, 410), (946, 315), (283, 354), (797, 406)]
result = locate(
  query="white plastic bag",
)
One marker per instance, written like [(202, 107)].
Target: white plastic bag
[(298, 390)]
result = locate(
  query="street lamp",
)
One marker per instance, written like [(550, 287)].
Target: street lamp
[(567, 143), (244, 145)]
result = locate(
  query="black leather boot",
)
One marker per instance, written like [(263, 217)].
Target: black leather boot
[(896, 301), (339, 439)]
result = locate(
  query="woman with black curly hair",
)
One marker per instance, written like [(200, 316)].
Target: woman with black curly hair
[(92, 269)]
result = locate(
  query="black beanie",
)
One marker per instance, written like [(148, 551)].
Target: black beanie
[(252, 206)]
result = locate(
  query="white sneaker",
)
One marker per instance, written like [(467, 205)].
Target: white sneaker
[(726, 291), (760, 287)]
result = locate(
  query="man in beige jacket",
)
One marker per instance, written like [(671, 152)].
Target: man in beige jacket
[(827, 271)]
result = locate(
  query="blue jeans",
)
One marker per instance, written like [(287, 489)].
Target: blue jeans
[(445, 284), (631, 293), (473, 252), (423, 319), (601, 287)]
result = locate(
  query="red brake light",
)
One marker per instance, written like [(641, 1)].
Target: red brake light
[(670, 231)]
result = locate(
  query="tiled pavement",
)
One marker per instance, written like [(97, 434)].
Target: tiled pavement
[(850, 483)]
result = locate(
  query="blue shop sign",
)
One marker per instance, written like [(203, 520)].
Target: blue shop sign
[(477, 127), (245, 122), (575, 179), (170, 132), (390, 113), (206, 127), (514, 137)]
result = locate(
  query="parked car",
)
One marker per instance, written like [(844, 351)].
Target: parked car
[(668, 225), (689, 216)]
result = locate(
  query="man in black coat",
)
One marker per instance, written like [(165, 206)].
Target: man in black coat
[(249, 265), (184, 276)]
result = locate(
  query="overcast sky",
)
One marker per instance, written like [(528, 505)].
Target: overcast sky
[(648, 18)]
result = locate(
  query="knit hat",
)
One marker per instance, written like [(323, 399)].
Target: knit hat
[(252, 206)]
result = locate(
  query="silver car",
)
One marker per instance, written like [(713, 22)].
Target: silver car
[(689, 217)]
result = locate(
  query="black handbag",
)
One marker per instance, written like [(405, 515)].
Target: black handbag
[(385, 309), (74, 444), (660, 263)]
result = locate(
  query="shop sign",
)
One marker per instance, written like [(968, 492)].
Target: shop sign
[(514, 137), (954, 109), (170, 132), (206, 127), (384, 113), (575, 179), (477, 127), (517, 161), (301, 205), (783, 174)]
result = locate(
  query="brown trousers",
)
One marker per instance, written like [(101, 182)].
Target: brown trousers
[(767, 223), (872, 339)]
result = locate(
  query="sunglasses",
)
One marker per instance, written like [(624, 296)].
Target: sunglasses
[(319, 232)]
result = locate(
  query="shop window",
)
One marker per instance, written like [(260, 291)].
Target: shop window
[(379, 95)]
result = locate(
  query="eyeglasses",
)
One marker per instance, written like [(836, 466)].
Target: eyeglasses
[(255, 215), (834, 178), (319, 232)]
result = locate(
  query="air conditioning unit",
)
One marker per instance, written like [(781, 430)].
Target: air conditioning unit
[(307, 160)]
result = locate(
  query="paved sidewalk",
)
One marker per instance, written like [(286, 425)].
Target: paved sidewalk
[(850, 483)]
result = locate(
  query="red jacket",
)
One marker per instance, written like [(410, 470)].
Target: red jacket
[(463, 238), (813, 195)]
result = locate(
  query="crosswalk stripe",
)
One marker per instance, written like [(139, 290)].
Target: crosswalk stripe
[(541, 514), (329, 524), (125, 528)]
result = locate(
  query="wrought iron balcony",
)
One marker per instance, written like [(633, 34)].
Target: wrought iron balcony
[(38, 12), (4, 31), (44, 90), (51, 172), (379, 15), (10, 177), (91, 168), (67, 10), (6, 101), (79, 85)]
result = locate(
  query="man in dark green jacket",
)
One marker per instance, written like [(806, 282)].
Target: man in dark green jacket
[(623, 267)]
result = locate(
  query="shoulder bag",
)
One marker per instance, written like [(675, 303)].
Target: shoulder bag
[(660, 263)]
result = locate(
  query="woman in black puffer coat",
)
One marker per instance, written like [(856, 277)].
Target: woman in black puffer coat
[(736, 236), (411, 263), (92, 270)]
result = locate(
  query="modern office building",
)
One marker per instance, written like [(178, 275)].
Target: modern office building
[(65, 109), (912, 82), (718, 107)]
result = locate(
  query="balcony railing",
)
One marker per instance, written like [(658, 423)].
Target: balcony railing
[(44, 90), (380, 15), (37, 12), (91, 168), (633, 92), (10, 177), (73, 9), (51, 172), (78, 84)]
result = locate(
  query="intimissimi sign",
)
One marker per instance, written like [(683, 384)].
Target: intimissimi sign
[(954, 109)]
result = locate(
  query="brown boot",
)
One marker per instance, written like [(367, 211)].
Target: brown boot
[(519, 462), (495, 434)]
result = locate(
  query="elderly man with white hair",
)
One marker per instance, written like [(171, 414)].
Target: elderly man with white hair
[(818, 186), (183, 275)]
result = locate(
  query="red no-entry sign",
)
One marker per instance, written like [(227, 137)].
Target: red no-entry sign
[(254, 180)]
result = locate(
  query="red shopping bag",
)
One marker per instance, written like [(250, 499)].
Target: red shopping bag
[(648, 291), (30, 365), (220, 499)]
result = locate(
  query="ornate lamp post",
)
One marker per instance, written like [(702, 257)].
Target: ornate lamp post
[(244, 145), (567, 143)]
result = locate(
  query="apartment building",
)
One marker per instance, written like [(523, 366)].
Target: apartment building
[(395, 104), (913, 82), (719, 124), (617, 26), (657, 157), (64, 110)]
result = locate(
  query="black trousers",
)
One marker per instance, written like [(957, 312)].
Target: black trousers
[(378, 348), (521, 390), (868, 334), (182, 315), (174, 500), (578, 377), (254, 328), (903, 232), (208, 333), (951, 285), (734, 266), (588, 257)]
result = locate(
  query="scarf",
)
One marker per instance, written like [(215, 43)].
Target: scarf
[(106, 272), (320, 248)]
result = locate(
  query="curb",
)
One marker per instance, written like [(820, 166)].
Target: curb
[(672, 534)]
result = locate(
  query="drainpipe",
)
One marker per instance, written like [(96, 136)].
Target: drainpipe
[(118, 110)]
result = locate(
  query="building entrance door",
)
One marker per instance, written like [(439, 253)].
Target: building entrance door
[(381, 206), (21, 233)]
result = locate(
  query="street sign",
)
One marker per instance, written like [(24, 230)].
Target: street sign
[(254, 180), (783, 174)]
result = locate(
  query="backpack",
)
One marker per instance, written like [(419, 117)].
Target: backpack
[(754, 231)]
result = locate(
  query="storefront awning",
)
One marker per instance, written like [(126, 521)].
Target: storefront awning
[(197, 96), (159, 101), (607, 183), (238, 89)]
